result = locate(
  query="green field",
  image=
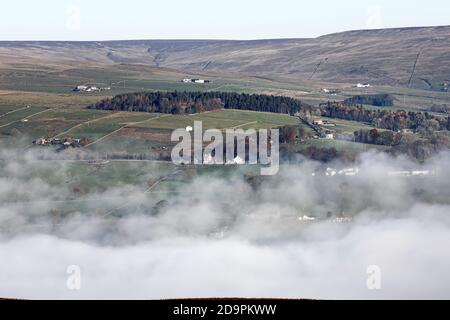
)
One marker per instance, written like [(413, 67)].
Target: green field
[(129, 78), (345, 126), (78, 186), (104, 190), (15, 118), (339, 145), (63, 119), (110, 123), (6, 109), (52, 87), (132, 132), (65, 113), (223, 119), (96, 124), (18, 100)]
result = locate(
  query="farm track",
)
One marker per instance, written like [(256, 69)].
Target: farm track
[(121, 128), (148, 120), (104, 137), (245, 124), (83, 124), (109, 212), (74, 127), (13, 111), (26, 118), (148, 191)]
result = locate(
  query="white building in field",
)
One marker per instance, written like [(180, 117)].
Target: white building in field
[(41, 141), (81, 88), (330, 172), (196, 81), (93, 88), (318, 122), (85, 88)]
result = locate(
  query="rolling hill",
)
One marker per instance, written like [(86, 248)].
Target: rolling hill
[(415, 57)]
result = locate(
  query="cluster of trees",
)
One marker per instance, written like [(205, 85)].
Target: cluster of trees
[(327, 154), (374, 136), (440, 108), (420, 148), (290, 134), (386, 119), (198, 102), (379, 100)]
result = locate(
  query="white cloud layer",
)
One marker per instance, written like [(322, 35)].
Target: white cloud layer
[(401, 225)]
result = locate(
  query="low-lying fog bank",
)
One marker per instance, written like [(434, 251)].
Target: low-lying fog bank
[(301, 234)]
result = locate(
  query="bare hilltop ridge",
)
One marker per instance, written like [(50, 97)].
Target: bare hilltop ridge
[(416, 57)]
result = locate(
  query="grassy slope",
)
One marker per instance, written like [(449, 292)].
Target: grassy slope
[(54, 89), (377, 56), (56, 121)]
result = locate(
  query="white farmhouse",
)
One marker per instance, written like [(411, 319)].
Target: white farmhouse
[(318, 122), (81, 88)]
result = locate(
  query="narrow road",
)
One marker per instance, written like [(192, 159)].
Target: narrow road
[(316, 128)]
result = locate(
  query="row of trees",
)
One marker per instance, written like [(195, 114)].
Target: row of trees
[(290, 134), (419, 148), (379, 100), (386, 119), (440, 108), (197, 102)]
